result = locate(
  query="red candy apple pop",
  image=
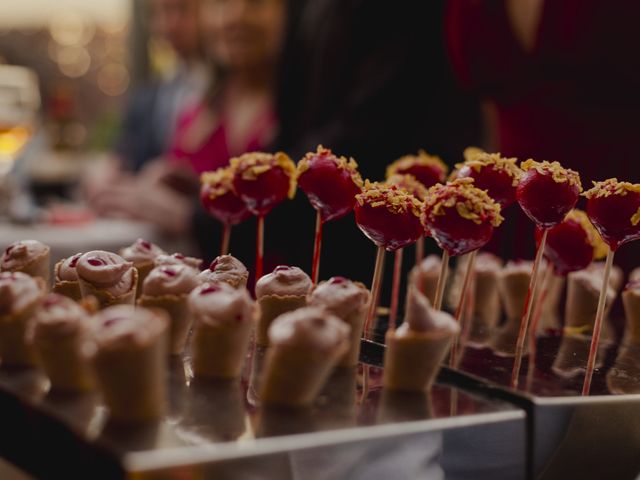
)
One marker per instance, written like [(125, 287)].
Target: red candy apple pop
[(428, 170), (414, 187), (262, 181), (614, 209), (390, 217), (331, 184), (221, 202), (571, 246), (461, 219), (546, 193)]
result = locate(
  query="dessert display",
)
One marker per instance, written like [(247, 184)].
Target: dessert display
[(348, 301), (424, 276), (65, 277), (227, 269), (305, 346), (262, 181), (280, 291), (219, 200), (583, 289), (614, 209), (390, 217), (58, 331), (497, 175), (167, 287), (546, 193), (27, 256), (331, 184), (417, 348), (108, 277), (427, 169), (461, 218), (127, 349), (20, 296), (223, 319), (631, 302), (178, 259), (143, 255)]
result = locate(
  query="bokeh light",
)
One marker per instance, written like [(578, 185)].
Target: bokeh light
[(113, 79)]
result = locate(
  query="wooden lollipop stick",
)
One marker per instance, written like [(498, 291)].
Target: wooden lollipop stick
[(597, 327), (317, 246), (539, 300), (375, 290), (442, 280), (395, 289), (260, 248), (226, 238), (419, 250), (528, 304), (471, 260)]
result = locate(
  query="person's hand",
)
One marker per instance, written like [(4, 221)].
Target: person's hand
[(159, 205), (98, 176), (171, 173)]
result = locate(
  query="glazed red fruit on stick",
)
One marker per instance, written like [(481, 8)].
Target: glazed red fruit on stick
[(263, 181), (331, 184), (497, 175), (390, 217), (461, 219), (426, 169), (614, 209), (418, 190), (221, 202), (546, 193)]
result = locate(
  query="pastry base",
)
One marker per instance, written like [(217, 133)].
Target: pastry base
[(63, 363), (179, 316), (105, 298), (272, 306), (219, 351), (356, 322)]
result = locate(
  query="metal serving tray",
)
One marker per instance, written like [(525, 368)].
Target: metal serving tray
[(217, 430), (570, 435)]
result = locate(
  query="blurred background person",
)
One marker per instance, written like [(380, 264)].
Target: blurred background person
[(560, 81)]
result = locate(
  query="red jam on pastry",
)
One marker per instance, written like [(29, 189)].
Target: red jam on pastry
[(226, 269), (330, 182), (170, 280), (614, 209), (388, 215), (497, 175), (427, 169), (66, 270), (573, 243), (460, 217), (20, 254), (263, 180), (141, 252), (547, 192), (106, 270), (218, 198)]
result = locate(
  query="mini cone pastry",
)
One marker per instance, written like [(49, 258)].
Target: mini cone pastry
[(486, 308), (283, 290), (143, 255), (127, 348), (415, 350), (107, 277), (30, 257), (66, 278), (227, 269), (59, 329), (20, 296), (348, 301), (167, 287), (305, 346), (631, 302), (223, 320), (583, 291), (513, 285), (425, 276), (550, 315)]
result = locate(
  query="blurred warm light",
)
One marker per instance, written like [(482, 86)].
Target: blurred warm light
[(68, 28), (73, 61), (113, 79), (12, 140), (38, 13)]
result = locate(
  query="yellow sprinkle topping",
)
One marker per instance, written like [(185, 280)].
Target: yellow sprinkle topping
[(410, 184), (557, 171), (397, 200), (252, 165), (478, 159), (422, 159), (349, 165), (220, 180), (470, 202), (600, 248), (612, 186)]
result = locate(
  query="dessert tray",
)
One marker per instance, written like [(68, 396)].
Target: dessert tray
[(569, 434), (217, 429)]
